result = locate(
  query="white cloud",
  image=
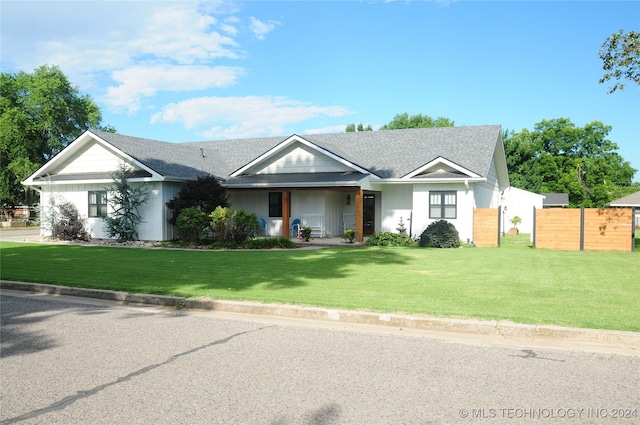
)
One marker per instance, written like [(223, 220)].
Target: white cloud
[(144, 81), (238, 117), (260, 29)]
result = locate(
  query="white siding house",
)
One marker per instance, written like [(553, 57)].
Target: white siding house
[(367, 180)]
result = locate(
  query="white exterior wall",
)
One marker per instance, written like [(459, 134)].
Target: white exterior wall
[(155, 212), (464, 210), (519, 203), (487, 194), (396, 201), (92, 158)]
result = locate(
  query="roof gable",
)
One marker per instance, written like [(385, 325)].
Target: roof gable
[(441, 168), (297, 155)]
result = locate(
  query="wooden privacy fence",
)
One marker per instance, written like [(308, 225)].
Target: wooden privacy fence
[(591, 229), (486, 227)]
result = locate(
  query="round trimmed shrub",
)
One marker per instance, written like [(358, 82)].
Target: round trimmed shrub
[(440, 234)]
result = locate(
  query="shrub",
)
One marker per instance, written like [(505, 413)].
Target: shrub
[(305, 233), (233, 226), (270, 243), (390, 239), (440, 234), (193, 224), (68, 225), (205, 192), (349, 235), (244, 225)]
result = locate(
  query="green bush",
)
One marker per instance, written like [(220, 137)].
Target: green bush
[(440, 234), (245, 225), (270, 243), (68, 225), (390, 239), (192, 224), (233, 226)]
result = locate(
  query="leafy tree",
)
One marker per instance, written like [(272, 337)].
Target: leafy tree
[(401, 121), (125, 200), (40, 114), (204, 192), (351, 128), (620, 55), (557, 156)]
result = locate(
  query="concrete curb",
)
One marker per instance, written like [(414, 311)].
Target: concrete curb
[(501, 330)]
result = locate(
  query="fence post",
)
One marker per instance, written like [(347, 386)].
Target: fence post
[(633, 229), (499, 214), (581, 228), (534, 226)]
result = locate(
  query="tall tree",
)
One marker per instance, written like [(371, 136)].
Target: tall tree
[(620, 54), (40, 114), (401, 121), (557, 156)]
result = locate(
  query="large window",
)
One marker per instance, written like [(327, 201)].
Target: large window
[(275, 204), (98, 203), (442, 204)]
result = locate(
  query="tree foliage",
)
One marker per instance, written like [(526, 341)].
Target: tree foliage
[(125, 200), (559, 157), (620, 55), (402, 121), (352, 128), (193, 224), (204, 192), (68, 225), (40, 114)]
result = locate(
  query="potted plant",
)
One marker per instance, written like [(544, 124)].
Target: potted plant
[(305, 233), (349, 235), (514, 230)]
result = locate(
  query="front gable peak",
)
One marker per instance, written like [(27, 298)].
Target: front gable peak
[(297, 155), (441, 168)]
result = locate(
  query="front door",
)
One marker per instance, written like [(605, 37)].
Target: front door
[(368, 214)]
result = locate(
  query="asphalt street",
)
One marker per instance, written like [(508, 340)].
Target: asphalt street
[(76, 361)]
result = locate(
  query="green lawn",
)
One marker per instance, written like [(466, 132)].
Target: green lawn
[(514, 282)]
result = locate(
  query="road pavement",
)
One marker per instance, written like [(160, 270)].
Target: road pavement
[(77, 361)]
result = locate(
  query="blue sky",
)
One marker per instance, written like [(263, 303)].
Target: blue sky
[(187, 71)]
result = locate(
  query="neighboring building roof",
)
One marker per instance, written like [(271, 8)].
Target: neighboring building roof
[(632, 200), (387, 154), (555, 199)]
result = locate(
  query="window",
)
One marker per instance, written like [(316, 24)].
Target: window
[(275, 204), (98, 203), (442, 204)]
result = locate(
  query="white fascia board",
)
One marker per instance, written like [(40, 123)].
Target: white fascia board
[(297, 139), (445, 161), (435, 180)]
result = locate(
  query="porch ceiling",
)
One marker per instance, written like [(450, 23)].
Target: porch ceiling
[(296, 180)]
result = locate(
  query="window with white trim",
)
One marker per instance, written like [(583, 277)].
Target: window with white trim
[(98, 203), (443, 204)]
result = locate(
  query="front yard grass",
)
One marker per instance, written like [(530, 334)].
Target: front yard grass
[(513, 282)]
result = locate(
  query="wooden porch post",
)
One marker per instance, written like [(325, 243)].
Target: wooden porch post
[(285, 213), (359, 218)]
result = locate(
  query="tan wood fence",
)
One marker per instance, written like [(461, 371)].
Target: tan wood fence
[(486, 227), (593, 229)]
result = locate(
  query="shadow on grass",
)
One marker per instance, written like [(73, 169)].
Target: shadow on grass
[(184, 272)]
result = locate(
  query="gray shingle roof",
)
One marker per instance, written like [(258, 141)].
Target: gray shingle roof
[(387, 154), (632, 200), (555, 199)]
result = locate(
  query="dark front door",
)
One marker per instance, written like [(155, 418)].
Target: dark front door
[(369, 214)]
